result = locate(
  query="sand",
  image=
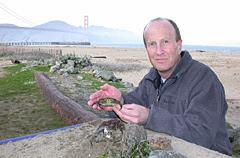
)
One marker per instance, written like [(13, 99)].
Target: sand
[(70, 142), (74, 143), (225, 65)]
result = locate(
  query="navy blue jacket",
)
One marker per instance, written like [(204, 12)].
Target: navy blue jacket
[(191, 105)]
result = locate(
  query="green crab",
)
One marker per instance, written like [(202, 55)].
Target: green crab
[(108, 102)]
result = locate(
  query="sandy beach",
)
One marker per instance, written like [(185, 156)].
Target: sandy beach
[(225, 65)]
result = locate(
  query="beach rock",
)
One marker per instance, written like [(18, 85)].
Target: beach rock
[(15, 61), (116, 136), (106, 75), (118, 79), (128, 84), (25, 69), (133, 134), (229, 126), (82, 62), (236, 146), (231, 134), (160, 143), (234, 137), (34, 64), (71, 63), (58, 63), (55, 68), (94, 69), (72, 70), (237, 134), (79, 77), (50, 62), (165, 154)]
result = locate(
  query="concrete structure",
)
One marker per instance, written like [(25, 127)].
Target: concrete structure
[(42, 43)]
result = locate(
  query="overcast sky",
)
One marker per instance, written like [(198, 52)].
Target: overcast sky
[(201, 22)]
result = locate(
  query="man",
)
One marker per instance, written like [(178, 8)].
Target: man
[(179, 96)]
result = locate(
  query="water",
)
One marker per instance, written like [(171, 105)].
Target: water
[(221, 49)]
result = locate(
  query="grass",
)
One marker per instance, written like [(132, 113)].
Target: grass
[(96, 83), (24, 109)]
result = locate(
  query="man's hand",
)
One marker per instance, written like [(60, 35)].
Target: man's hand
[(133, 113), (106, 91)]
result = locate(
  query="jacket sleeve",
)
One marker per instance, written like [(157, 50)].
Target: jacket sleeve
[(202, 121), (137, 96)]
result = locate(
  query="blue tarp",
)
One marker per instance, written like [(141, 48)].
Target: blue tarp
[(36, 134)]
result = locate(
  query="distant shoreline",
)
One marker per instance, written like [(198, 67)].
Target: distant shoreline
[(217, 49), (198, 48)]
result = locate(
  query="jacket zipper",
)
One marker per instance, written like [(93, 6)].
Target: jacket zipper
[(158, 96)]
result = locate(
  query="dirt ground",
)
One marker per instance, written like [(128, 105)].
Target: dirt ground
[(74, 142)]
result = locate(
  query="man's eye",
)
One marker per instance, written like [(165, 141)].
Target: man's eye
[(151, 44), (166, 41)]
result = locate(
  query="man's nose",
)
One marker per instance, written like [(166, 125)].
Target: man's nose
[(159, 49)]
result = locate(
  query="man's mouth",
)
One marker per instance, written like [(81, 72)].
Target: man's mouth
[(160, 60)]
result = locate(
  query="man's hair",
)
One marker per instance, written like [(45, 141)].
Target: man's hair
[(177, 32)]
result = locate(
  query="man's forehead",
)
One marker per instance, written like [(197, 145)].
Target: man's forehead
[(159, 24), (163, 26)]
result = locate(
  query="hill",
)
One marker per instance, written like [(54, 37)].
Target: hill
[(59, 31)]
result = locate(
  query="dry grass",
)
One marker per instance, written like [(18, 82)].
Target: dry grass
[(120, 67)]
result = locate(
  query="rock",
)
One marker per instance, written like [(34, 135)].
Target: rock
[(234, 137), (72, 70), (128, 84), (160, 143), (106, 75), (58, 63), (25, 69), (55, 68), (118, 79), (71, 62), (82, 61), (116, 136), (231, 134), (50, 62), (34, 64), (237, 134), (165, 154), (15, 61), (229, 126), (62, 71), (30, 82), (236, 146), (79, 77), (95, 69), (134, 134)]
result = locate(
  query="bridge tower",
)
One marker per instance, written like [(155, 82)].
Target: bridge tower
[(86, 27)]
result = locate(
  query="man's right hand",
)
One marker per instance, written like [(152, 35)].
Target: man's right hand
[(106, 91)]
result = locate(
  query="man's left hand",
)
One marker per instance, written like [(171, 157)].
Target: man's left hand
[(133, 113)]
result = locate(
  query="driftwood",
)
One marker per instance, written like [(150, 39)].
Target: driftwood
[(98, 56), (66, 107)]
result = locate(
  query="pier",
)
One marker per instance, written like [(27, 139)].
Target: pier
[(42, 43)]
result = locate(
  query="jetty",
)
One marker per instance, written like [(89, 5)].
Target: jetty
[(42, 43)]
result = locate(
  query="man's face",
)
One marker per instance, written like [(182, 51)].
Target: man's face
[(163, 50)]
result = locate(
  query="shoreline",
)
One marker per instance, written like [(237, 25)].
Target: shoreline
[(197, 48)]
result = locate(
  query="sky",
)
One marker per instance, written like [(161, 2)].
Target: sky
[(201, 22)]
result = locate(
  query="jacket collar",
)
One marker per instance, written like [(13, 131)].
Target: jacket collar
[(182, 66)]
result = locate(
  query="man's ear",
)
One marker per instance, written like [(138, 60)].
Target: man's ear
[(179, 46)]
